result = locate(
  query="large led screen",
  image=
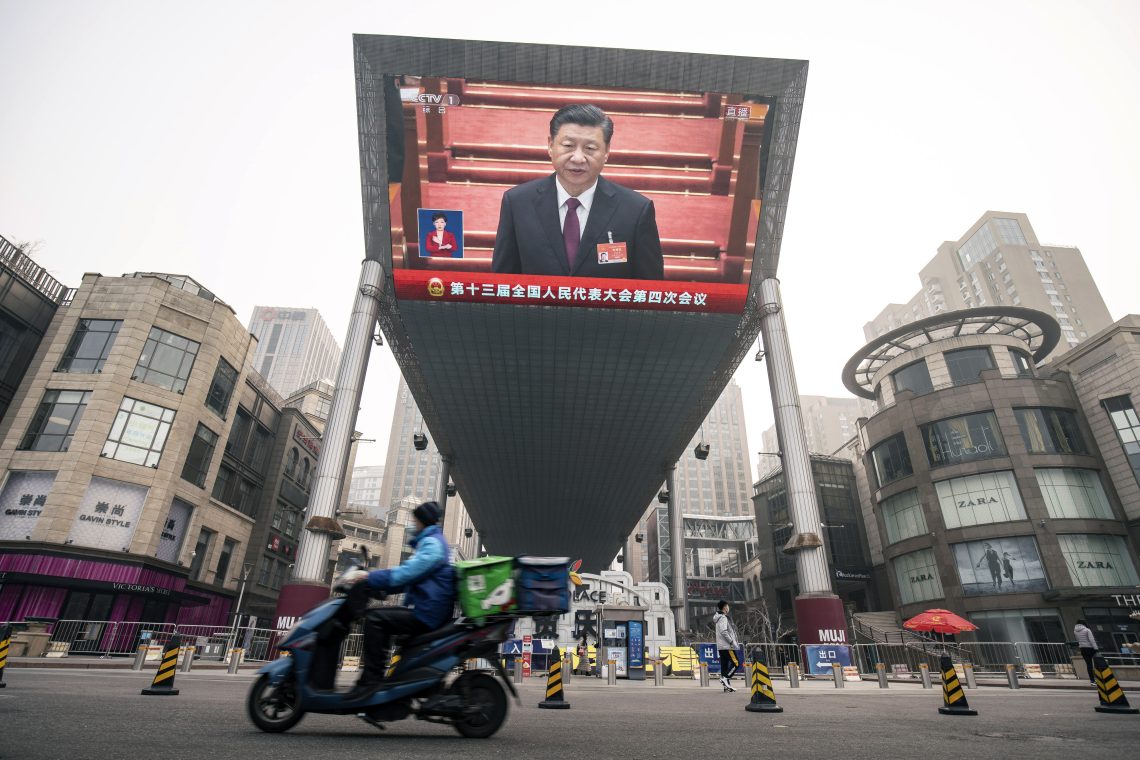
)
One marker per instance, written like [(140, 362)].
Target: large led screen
[(573, 196)]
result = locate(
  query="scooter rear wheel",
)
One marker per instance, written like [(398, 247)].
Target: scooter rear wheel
[(274, 708), (485, 706)]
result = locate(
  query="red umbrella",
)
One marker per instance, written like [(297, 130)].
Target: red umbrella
[(939, 621)]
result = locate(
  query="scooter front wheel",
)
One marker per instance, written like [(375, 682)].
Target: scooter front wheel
[(484, 708), (274, 708)]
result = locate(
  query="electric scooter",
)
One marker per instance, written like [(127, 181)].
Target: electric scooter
[(419, 680)]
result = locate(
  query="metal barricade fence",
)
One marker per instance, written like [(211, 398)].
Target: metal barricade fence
[(105, 637), (988, 658), (991, 657), (776, 656), (902, 660), (108, 638)]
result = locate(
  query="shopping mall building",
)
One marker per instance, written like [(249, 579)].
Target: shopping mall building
[(985, 474)]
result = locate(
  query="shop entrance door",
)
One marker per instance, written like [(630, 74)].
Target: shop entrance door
[(82, 620)]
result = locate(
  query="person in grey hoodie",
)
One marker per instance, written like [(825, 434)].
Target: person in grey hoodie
[(726, 644), (1087, 642)]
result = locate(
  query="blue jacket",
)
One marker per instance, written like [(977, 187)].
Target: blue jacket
[(426, 578)]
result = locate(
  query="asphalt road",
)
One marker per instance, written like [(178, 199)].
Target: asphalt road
[(91, 714)]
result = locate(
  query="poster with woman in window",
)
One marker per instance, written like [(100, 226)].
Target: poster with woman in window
[(1000, 566)]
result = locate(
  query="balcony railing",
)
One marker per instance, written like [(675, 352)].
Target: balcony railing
[(33, 274)]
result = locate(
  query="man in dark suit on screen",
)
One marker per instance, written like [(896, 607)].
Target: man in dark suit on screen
[(575, 222)]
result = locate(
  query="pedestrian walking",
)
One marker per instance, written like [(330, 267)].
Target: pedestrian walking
[(726, 644), (1087, 642)]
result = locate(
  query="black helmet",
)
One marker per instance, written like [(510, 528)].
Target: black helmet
[(428, 513)]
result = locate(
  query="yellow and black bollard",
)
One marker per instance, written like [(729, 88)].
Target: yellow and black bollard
[(953, 697), (555, 699), (5, 638), (163, 683), (763, 697), (1112, 699)]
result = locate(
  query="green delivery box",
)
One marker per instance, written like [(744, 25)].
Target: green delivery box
[(486, 586)]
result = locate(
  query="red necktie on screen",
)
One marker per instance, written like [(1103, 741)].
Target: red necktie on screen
[(571, 231)]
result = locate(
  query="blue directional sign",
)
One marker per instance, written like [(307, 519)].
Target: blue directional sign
[(821, 657)]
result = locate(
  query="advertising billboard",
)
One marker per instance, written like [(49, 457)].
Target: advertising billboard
[(174, 530), (665, 188), (22, 501), (108, 514), (1000, 566)]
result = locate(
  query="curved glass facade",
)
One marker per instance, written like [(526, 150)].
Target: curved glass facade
[(902, 516), (1071, 492), (892, 460), (917, 576), (962, 439), (991, 497), (1097, 560), (1050, 431)]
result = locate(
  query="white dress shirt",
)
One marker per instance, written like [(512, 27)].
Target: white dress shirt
[(587, 200)]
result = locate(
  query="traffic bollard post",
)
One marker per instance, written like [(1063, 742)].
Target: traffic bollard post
[(837, 674), (187, 659), (881, 669), (704, 674), (924, 673), (793, 671), (611, 672), (658, 672), (968, 669), (140, 657), (236, 656), (1011, 676)]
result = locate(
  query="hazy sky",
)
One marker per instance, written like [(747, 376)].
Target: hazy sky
[(218, 139)]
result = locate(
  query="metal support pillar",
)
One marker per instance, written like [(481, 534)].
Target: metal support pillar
[(308, 583), (444, 479), (678, 600), (819, 612)]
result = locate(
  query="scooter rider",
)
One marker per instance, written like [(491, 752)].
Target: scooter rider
[(428, 582)]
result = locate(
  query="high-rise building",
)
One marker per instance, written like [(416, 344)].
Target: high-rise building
[(408, 472), (294, 347), (828, 424), (719, 486), (364, 490), (1000, 262), (411, 476)]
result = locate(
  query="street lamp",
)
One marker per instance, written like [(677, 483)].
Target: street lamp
[(246, 569)]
